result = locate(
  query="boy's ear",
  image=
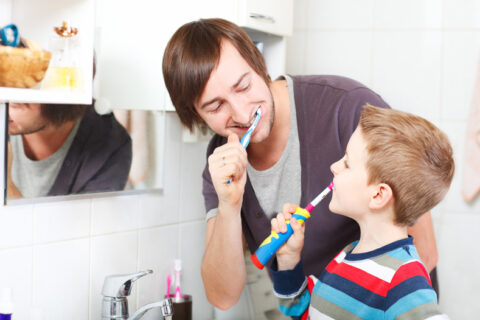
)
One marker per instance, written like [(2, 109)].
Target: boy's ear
[(381, 197)]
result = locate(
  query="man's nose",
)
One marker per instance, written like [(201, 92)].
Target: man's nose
[(240, 112)]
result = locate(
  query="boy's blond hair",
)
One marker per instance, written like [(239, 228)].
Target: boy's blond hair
[(409, 154)]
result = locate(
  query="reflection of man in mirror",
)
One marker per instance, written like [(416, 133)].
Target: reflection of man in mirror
[(65, 149)]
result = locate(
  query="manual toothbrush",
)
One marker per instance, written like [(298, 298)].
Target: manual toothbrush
[(178, 268), (246, 137)]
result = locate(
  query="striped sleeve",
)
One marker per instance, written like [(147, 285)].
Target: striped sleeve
[(410, 295), (290, 287)]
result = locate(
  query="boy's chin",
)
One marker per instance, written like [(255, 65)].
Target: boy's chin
[(332, 208)]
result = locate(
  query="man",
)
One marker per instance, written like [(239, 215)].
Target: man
[(215, 75), (65, 149)]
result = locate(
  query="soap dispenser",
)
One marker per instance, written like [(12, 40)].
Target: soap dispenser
[(6, 303)]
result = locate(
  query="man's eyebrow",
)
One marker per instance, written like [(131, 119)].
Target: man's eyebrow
[(233, 87), (240, 80)]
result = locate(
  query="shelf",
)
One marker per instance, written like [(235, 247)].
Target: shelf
[(43, 96), (35, 21)]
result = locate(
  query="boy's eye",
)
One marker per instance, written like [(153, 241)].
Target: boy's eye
[(345, 163)]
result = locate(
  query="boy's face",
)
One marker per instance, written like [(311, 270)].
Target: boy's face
[(233, 94), (351, 195)]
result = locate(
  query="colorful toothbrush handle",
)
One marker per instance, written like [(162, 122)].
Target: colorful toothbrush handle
[(275, 240)]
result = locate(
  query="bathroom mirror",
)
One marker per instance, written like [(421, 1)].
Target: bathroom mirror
[(97, 153)]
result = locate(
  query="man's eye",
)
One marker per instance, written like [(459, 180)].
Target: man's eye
[(216, 109), (245, 88)]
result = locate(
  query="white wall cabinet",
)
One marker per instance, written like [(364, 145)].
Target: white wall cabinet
[(131, 38), (35, 20), (270, 16)]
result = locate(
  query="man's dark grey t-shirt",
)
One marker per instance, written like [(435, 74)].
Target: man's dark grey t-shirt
[(328, 109)]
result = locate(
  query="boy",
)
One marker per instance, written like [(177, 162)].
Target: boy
[(396, 167)]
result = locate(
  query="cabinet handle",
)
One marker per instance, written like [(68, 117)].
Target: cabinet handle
[(260, 16)]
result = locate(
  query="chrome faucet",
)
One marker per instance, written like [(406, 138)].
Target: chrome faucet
[(115, 290)]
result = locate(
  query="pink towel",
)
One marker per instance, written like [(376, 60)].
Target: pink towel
[(136, 123), (471, 172)]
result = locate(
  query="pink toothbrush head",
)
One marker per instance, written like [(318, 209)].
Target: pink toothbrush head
[(169, 284)]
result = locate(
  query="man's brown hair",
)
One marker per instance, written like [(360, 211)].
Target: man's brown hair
[(191, 55), (58, 114), (409, 154)]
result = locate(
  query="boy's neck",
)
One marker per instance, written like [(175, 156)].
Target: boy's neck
[(378, 230)]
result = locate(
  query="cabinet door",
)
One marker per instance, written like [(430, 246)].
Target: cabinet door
[(130, 40), (270, 16)]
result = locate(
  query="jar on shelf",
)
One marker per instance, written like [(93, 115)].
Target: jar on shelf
[(64, 70)]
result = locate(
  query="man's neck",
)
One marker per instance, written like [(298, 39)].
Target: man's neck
[(378, 230), (265, 154), (42, 144)]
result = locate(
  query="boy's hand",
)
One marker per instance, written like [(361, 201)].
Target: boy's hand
[(288, 255)]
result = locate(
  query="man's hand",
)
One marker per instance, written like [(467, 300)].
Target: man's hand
[(288, 255), (229, 162), (424, 240)]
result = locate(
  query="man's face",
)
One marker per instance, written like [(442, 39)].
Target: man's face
[(351, 193), (233, 94), (25, 118)]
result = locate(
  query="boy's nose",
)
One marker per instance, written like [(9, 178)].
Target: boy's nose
[(334, 167)]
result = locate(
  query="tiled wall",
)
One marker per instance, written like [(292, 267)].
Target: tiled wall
[(55, 255), (422, 57)]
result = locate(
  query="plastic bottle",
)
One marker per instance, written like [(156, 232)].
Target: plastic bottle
[(63, 72), (6, 303)]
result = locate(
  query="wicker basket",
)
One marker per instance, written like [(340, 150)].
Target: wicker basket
[(23, 67)]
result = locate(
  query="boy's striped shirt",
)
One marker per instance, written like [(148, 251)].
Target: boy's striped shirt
[(388, 283)]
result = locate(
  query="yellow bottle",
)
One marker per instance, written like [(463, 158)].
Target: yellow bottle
[(63, 72)]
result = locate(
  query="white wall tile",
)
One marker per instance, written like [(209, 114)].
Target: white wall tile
[(61, 279), (173, 158), (454, 201), (192, 245), (152, 210), (406, 70), (458, 266), (16, 273), (340, 14), (112, 254), (114, 214), (61, 220), (461, 13), (296, 52), (191, 199), (340, 53), (407, 14), (16, 226), (157, 249), (460, 60)]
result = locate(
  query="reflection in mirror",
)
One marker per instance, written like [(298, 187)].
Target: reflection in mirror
[(58, 150)]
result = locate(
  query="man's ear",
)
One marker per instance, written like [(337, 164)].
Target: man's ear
[(382, 196)]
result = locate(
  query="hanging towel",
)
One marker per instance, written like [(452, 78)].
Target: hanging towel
[(136, 122), (471, 172)]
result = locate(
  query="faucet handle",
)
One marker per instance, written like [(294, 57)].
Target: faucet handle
[(120, 285)]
